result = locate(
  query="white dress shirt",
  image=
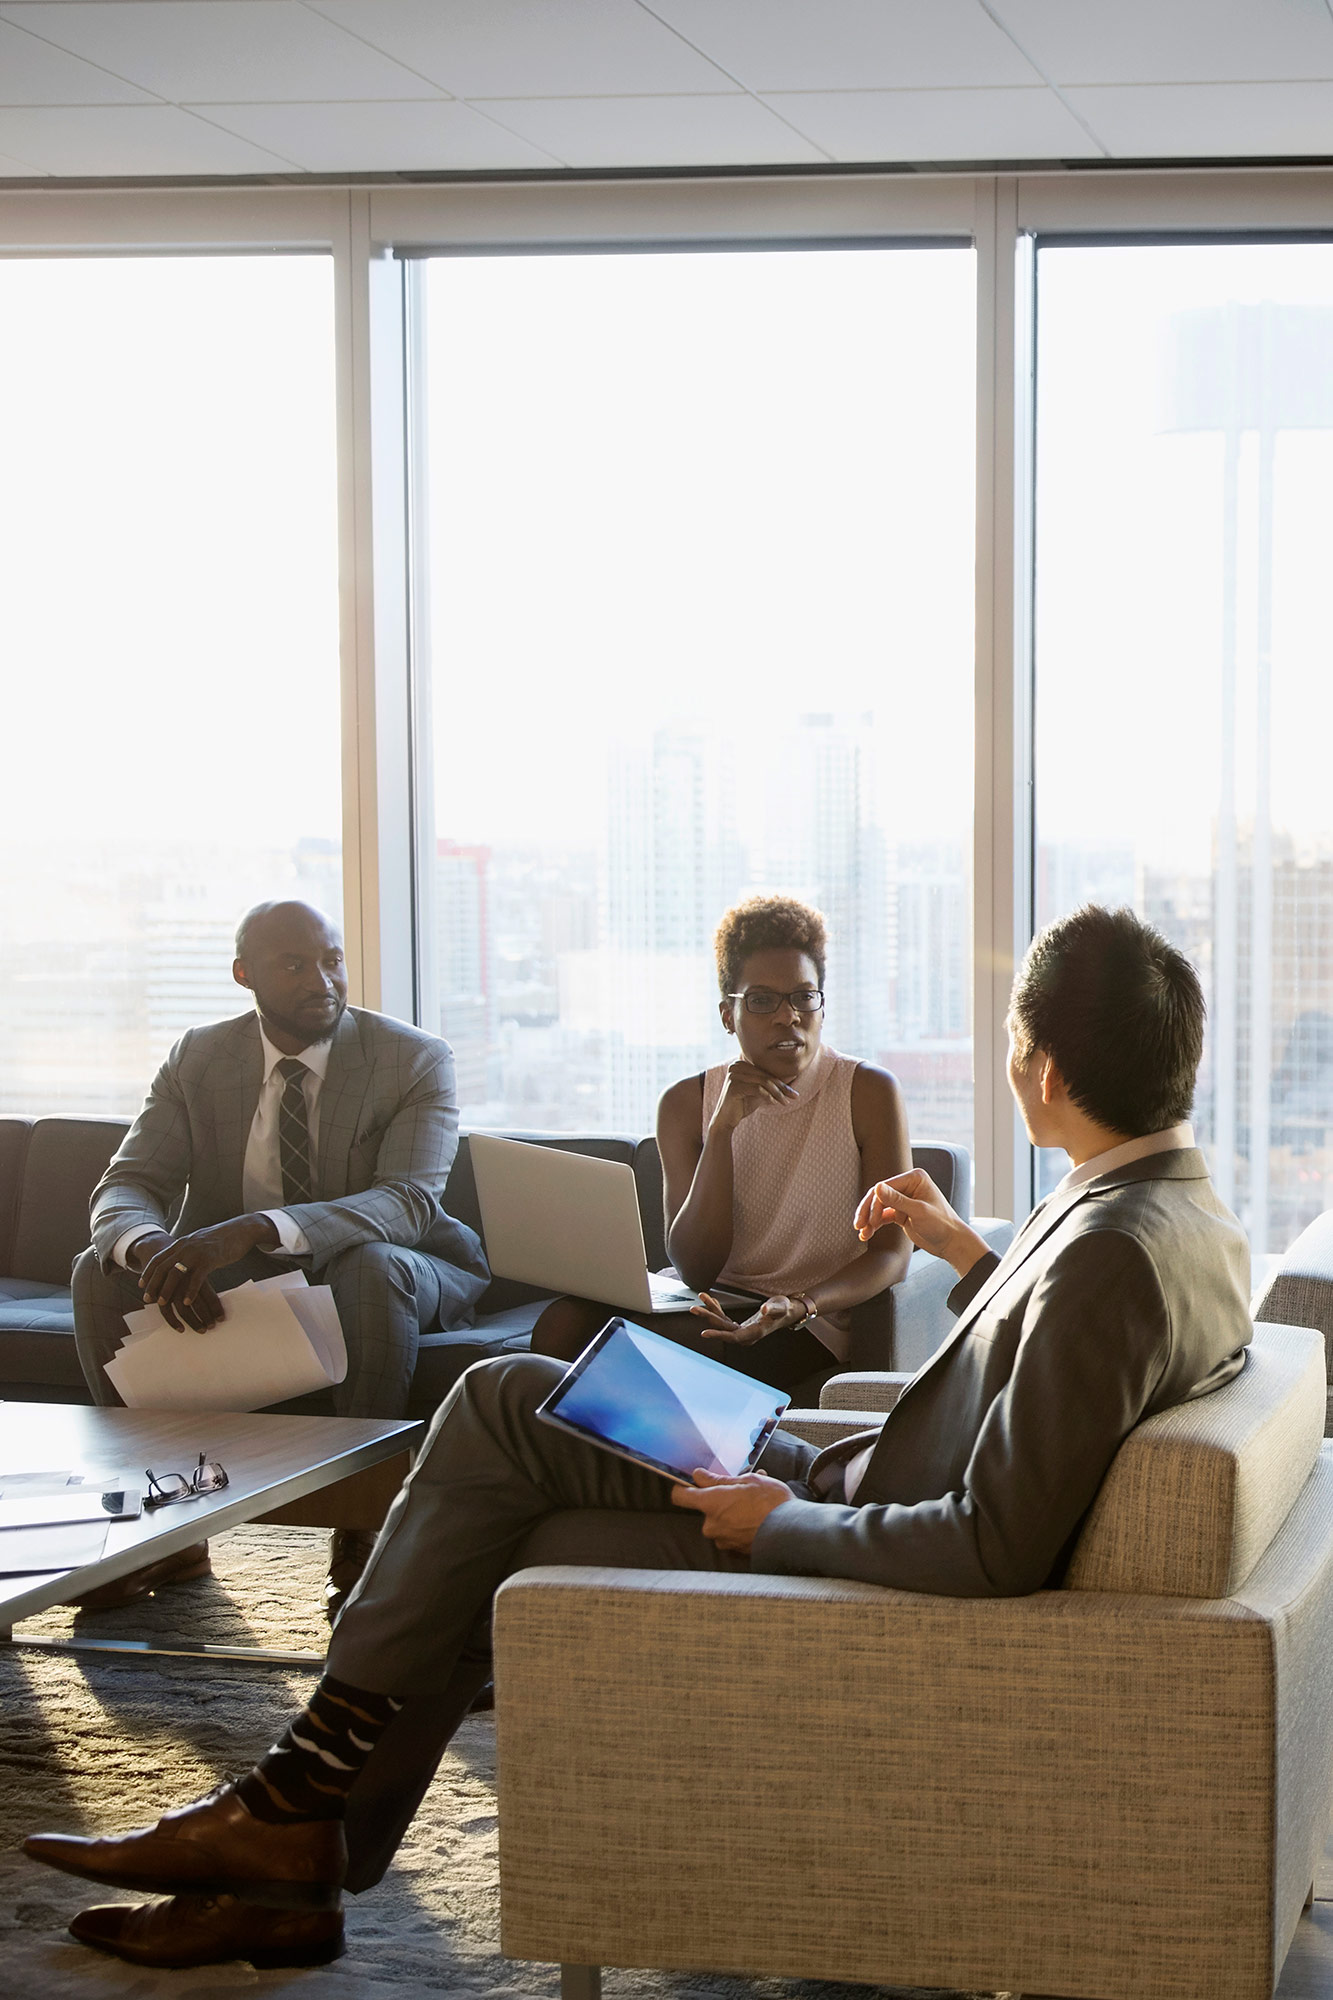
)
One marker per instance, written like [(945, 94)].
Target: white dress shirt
[(1169, 1141), (261, 1175)]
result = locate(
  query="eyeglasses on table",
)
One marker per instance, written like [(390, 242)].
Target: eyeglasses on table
[(209, 1476)]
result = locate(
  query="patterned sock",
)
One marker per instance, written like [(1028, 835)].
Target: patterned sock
[(312, 1766)]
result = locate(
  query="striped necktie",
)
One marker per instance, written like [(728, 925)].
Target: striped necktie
[(294, 1133)]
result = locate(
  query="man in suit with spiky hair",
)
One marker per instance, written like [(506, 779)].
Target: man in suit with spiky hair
[(305, 1134)]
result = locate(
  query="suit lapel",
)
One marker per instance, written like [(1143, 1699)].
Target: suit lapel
[(340, 1103), (239, 1074), (1032, 1233)]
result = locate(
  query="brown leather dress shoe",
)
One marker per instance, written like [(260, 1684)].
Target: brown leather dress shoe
[(179, 1568), (215, 1847), (349, 1552), (211, 1930)]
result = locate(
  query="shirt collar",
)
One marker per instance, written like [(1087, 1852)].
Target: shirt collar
[(1171, 1140), (315, 1057)]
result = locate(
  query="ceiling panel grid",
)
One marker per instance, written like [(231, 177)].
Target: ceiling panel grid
[(229, 88)]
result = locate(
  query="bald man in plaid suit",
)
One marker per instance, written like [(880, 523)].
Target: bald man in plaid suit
[(306, 1133)]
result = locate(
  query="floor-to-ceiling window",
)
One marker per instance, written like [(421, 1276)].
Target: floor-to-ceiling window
[(698, 549), (699, 558), (169, 638), (1184, 662)]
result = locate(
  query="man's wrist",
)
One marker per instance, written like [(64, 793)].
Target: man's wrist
[(145, 1247), (967, 1249), (265, 1230)]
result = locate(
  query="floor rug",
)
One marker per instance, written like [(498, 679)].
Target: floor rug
[(101, 1744)]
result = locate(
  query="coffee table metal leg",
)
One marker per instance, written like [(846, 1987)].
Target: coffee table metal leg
[(184, 1649)]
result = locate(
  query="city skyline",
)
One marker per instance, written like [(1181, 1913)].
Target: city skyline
[(629, 995), (122, 972)]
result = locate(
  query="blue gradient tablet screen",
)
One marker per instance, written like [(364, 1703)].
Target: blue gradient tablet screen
[(643, 1394)]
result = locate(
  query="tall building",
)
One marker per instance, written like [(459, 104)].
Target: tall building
[(819, 836), (1073, 872), (187, 971), (464, 963), (930, 1044), (932, 992), (319, 875), (672, 862), (1282, 1091)]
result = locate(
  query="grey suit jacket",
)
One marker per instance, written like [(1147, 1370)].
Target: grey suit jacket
[(1115, 1300), (388, 1133)]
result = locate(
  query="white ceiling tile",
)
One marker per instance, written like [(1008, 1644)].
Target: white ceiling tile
[(433, 137), (32, 72), (531, 48), (1210, 120), (200, 51), (126, 140), (1173, 41), (771, 45), (938, 124), (655, 131), (19, 170)]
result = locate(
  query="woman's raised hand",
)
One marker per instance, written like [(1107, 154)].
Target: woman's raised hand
[(746, 1088)]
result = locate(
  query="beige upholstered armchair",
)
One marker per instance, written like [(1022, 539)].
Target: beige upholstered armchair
[(1118, 1788)]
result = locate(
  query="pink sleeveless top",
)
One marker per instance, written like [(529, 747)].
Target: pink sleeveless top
[(797, 1181)]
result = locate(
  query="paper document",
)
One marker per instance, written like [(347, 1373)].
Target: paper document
[(30, 1551), (278, 1338), (25, 1509)]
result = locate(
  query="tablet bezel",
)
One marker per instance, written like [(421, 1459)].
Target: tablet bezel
[(548, 1411)]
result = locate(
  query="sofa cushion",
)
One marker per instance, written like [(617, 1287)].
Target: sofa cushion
[(28, 1302), (1195, 1495), (65, 1160), (37, 1335)]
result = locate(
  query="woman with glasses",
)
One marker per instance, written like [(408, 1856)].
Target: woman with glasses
[(764, 1161)]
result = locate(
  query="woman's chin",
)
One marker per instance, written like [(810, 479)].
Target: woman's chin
[(785, 1064)]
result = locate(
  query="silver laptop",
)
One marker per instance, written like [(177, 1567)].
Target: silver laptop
[(571, 1224)]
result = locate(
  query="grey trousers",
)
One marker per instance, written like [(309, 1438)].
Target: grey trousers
[(387, 1297), (493, 1491)]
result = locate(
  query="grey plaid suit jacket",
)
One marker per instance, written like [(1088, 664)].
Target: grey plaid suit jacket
[(1115, 1300), (388, 1133)]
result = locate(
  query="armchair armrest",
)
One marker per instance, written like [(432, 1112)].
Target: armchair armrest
[(823, 1427), (870, 1389)]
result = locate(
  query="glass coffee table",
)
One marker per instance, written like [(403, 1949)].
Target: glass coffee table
[(270, 1461)]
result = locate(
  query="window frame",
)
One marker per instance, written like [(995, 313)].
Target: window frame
[(372, 231)]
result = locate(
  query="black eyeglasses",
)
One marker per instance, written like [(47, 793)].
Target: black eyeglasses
[(763, 1000), (208, 1477)]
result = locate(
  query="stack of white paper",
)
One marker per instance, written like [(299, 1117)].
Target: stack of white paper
[(278, 1338)]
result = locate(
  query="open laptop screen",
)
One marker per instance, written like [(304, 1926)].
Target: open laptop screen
[(663, 1406)]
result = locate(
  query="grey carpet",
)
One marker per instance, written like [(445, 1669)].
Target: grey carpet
[(88, 1743)]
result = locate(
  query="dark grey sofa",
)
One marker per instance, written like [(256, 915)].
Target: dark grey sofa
[(49, 1167)]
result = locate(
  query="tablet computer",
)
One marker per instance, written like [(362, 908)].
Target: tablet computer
[(663, 1406)]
